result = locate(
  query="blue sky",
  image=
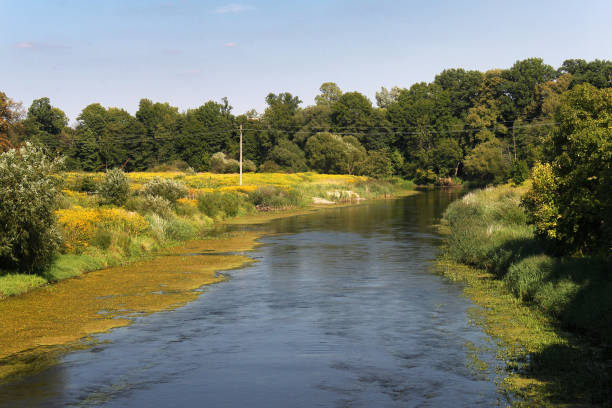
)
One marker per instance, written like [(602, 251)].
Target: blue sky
[(187, 52)]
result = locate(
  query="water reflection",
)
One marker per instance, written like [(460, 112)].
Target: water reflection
[(340, 310)]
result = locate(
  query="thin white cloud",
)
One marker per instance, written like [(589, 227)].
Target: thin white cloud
[(31, 45), (233, 8), (230, 44), (25, 45)]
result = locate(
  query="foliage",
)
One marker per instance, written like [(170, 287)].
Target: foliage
[(425, 177), (44, 124), (487, 163), (519, 172), (29, 189), (88, 184), (219, 163), (288, 156), (571, 200), (378, 165), (220, 204), (115, 188), (329, 153), (146, 203), (79, 225), (488, 230), (170, 190), (179, 229), (271, 197)]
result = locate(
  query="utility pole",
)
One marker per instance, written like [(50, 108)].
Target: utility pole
[(241, 154)]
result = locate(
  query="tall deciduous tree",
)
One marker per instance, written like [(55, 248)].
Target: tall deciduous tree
[(44, 124)]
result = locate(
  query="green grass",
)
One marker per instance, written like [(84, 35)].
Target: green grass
[(491, 247), (17, 283)]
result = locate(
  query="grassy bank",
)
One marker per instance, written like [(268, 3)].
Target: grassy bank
[(553, 316), (99, 235)]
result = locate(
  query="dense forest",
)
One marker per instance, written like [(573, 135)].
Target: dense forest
[(478, 126)]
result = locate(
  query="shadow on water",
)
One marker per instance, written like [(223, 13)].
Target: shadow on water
[(339, 310)]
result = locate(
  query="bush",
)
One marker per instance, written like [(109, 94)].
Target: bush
[(249, 166), (519, 172), (180, 230), (219, 163), (425, 177), (115, 187), (88, 185), (270, 167), (220, 204), (487, 163), (274, 197), (170, 190), (80, 224), (377, 165), (29, 189), (150, 204)]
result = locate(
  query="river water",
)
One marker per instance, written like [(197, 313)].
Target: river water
[(341, 310)]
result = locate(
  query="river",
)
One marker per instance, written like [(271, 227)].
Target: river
[(341, 309)]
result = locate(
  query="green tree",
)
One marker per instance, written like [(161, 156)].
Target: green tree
[(488, 163), (44, 124), (352, 113), (384, 97), (463, 88), (209, 128), (597, 73), (520, 85), (446, 157), (581, 174), (29, 189), (327, 153), (330, 94), (11, 114), (289, 156), (160, 125)]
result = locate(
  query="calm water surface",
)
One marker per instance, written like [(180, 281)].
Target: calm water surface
[(341, 310)]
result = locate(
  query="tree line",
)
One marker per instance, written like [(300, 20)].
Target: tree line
[(480, 126)]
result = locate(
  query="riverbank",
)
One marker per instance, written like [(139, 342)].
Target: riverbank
[(551, 316), (98, 235)]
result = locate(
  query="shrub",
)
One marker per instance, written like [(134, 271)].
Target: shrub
[(170, 190), (217, 162), (519, 172), (218, 204), (270, 167), (274, 197), (425, 177), (231, 166), (150, 204), (179, 230), (115, 187), (80, 224), (88, 184), (487, 163), (29, 189), (377, 165), (248, 166)]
